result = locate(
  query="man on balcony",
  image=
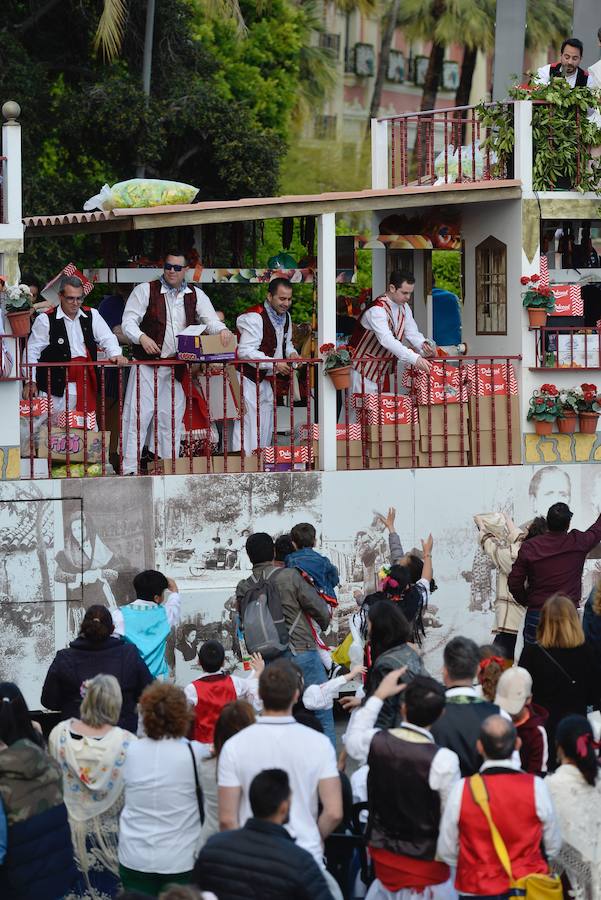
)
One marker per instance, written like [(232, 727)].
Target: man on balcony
[(66, 333), (154, 315), (381, 335), (568, 66), (265, 332)]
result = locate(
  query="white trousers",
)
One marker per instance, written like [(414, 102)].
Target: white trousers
[(249, 395), (444, 891), (130, 405)]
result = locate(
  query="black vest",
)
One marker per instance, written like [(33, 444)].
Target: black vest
[(404, 811), (59, 350), (581, 75)]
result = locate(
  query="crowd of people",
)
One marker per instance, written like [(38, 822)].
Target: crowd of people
[(474, 785)]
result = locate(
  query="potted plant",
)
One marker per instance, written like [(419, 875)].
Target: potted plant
[(337, 364), (567, 403), (589, 407), (19, 304), (537, 300), (544, 408)]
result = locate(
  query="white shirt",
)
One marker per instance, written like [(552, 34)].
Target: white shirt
[(40, 335), (250, 329), (279, 742), (172, 607), (159, 828), (376, 320), (137, 304), (544, 76), (594, 71), (322, 696), (246, 688), (448, 836), (444, 769)]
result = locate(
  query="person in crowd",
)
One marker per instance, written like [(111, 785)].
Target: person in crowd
[(215, 688), (446, 317), (566, 673), (147, 621), (233, 718), (91, 751), (96, 651), (490, 669), (276, 740), (460, 726), (283, 548), (155, 313), (501, 539), (299, 601), (412, 596), (520, 807), (261, 860), (551, 563), (265, 332), (409, 781), (389, 634), (39, 860), (591, 620), (568, 66), (575, 789), (345, 324), (382, 332), (159, 828), (514, 696), (397, 554)]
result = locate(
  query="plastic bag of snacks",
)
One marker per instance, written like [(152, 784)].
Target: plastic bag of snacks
[(141, 192)]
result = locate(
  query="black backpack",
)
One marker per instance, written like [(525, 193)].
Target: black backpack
[(262, 619)]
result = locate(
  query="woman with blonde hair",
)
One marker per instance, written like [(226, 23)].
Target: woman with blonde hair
[(566, 674), (91, 752)]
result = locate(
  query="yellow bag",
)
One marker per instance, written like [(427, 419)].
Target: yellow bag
[(341, 654), (532, 887)]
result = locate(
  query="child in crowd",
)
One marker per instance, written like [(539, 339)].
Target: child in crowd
[(214, 689), (283, 548), (319, 572), (147, 621), (490, 669), (514, 696), (412, 597)]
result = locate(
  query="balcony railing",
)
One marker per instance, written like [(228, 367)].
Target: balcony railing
[(465, 413), (567, 347)]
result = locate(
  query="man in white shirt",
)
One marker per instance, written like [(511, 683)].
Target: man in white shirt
[(568, 66), (595, 69), (68, 333), (155, 313), (265, 332), (276, 740), (381, 337)]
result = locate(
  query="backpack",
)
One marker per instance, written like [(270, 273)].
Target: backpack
[(262, 619)]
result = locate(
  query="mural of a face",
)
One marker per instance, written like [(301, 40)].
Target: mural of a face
[(549, 485)]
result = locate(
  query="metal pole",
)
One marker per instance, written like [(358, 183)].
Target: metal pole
[(510, 35), (147, 63)]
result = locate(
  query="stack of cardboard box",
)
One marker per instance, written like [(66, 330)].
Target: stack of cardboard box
[(494, 407), (442, 415), (390, 430), (349, 445)]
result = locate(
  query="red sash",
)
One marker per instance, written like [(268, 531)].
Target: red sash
[(75, 375)]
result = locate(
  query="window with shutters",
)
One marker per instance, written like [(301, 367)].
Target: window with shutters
[(491, 287)]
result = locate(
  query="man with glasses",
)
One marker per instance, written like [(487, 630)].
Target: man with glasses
[(155, 314), (66, 333)]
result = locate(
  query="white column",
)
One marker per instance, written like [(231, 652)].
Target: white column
[(379, 154), (523, 144), (326, 334), (11, 149)]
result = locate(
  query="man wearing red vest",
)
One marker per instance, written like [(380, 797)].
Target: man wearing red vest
[(520, 807), (66, 333), (155, 313), (264, 332), (381, 335), (215, 688)]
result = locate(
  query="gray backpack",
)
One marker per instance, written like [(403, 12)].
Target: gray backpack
[(262, 619)]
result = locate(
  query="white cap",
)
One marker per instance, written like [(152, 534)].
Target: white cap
[(513, 689)]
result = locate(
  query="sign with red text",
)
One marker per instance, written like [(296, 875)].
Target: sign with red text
[(445, 383), (385, 409), (568, 300), (486, 380)]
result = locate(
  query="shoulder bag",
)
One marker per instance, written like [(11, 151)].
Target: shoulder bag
[(532, 887), (199, 795), (556, 664)]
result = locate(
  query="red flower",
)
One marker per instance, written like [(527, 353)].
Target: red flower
[(326, 348), (535, 278), (588, 387), (524, 279), (550, 401), (549, 389)]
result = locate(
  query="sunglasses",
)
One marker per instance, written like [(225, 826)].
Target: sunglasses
[(176, 268)]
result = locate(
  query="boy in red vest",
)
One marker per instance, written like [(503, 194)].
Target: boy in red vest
[(215, 688), (520, 807), (264, 332)]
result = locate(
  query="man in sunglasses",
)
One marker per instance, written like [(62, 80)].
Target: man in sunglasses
[(154, 315)]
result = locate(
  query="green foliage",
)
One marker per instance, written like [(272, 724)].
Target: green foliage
[(446, 269)]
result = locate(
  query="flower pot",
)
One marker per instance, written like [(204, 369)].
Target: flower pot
[(588, 422), (20, 322), (541, 427), (341, 377), (537, 316), (567, 423)]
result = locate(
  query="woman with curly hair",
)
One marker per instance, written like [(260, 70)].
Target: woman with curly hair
[(159, 829)]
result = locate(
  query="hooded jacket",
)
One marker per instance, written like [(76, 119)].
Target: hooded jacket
[(534, 752)]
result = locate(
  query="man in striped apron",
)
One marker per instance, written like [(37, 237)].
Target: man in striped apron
[(380, 337)]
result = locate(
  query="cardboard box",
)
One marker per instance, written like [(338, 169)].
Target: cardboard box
[(391, 450), (193, 344), (432, 419), (578, 350), (252, 463), (352, 464), (441, 460), (486, 380), (287, 454), (355, 449), (438, 442), (200, 466), (405, 463), (77, 438), (389, 409), (481, 413), (482, 449), (390, 433), (446, 382)]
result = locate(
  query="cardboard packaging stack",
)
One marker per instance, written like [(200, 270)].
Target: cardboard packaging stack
[(390, 430), (494, 411), (442, 411), (349, 446)]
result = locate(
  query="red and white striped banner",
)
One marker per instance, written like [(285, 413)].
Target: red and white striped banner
[(385, 409), (568, 300), (77, 419), (544, 271), (446, 383), (37, 406), (290, 455), (486, 380), (343, 432)]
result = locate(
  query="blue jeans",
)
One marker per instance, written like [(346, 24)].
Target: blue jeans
[(530, 625), (314, 673)]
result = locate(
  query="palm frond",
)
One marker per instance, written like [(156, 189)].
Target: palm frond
[(365, 7), (111, 28)]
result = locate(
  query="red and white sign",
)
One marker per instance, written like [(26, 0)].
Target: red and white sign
[(446, 383), (544, 271), (568, 300), (50, 291), (77, 419), (343, 432), (486, 380), (385, 409), (37, 406), (290, 455)]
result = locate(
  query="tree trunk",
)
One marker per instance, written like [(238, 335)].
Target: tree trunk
[(464, 89), (383, 60)]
